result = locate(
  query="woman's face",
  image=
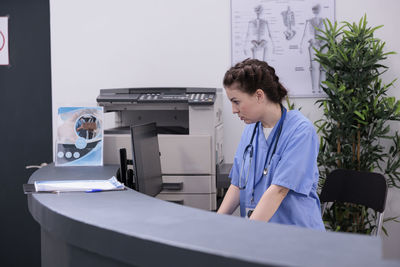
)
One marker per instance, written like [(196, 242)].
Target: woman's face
[(244, 105)]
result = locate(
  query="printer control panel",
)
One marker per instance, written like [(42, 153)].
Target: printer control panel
[(160, 97), (201, 98), (192, 96)]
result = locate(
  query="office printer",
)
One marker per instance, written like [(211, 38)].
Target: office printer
[(190, 136)]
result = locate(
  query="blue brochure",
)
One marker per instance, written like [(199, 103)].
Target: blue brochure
[(79, 139)]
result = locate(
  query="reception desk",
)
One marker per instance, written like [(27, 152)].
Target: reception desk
[(127, 228)]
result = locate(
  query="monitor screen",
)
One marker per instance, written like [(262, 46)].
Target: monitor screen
[(146, 159)]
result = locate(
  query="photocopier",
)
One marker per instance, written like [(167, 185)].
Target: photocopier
[(190, 136)]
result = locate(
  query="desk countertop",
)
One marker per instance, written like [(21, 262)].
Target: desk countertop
[(134, 229)]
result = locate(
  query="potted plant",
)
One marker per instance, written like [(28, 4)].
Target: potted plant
[(356, 116)]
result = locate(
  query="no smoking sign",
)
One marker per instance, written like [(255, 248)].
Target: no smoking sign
[(4, 60)]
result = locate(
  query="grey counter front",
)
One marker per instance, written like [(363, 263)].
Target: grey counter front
[(127, 228)]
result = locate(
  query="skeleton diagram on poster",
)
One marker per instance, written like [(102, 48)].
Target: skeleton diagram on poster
[(282, 33)]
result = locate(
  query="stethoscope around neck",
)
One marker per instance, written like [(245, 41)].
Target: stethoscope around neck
[(250, 150)]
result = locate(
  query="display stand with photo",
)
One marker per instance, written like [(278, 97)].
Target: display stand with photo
[(79, 136)]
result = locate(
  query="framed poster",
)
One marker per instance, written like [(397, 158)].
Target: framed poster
[(80, 134), (282, 33)]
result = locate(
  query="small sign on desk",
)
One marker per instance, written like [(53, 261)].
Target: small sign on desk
[(79, 136)]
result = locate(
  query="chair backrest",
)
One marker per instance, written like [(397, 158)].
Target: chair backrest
[(358, 187)]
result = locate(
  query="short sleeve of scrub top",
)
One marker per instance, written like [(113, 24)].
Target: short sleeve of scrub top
[(244, 141), (297, 162)]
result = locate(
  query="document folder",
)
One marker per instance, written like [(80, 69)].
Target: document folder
[(88, 186)]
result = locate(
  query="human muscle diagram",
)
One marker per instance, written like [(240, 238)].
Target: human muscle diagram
[(284, 34)]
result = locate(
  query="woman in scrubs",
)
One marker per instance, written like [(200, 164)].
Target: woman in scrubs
[(274, 177)]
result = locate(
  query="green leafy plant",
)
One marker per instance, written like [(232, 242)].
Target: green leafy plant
[(356, 116), (291, 105)]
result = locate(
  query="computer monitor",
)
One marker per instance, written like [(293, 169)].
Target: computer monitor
[(146, 159)]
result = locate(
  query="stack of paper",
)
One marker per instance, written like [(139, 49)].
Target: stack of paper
[(78, 185)]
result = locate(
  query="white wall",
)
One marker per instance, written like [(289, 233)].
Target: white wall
[(126, 43)]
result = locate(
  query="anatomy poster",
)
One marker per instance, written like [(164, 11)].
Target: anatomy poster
[(4, 59), (282, 33)]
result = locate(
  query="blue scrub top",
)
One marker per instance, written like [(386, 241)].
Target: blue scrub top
[(294, 166)]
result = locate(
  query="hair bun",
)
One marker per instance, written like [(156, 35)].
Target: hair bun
[(253, 74)]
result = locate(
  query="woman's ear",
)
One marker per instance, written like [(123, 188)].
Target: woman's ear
[(260, 95)]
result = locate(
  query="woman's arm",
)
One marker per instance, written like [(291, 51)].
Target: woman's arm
[(231, 200), (269, 203)]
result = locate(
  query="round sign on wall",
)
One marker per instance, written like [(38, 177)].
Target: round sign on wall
[(2, 40)]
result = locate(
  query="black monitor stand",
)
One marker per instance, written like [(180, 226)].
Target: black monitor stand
[(125, 175)]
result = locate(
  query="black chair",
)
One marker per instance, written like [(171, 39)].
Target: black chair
[(357, 187)]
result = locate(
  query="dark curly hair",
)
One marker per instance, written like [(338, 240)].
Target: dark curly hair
[(253, 74)]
